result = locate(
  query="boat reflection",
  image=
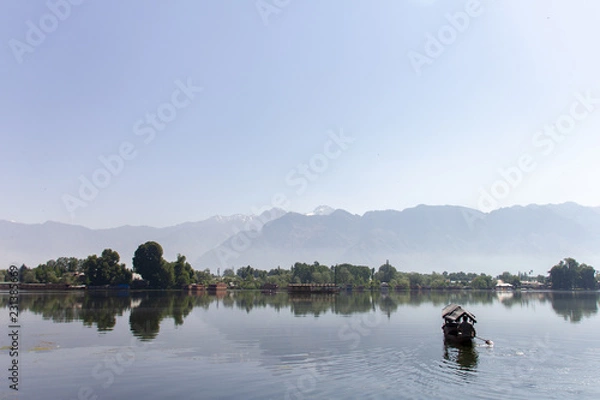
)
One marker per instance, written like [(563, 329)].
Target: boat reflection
[(462, 359)]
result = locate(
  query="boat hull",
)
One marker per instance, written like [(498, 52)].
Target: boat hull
[(459, 339)]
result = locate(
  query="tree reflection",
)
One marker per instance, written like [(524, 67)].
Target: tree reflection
[(149, 309), (573, 306), (388, 304), (248, 300), (311, 304), (58, 308), (145, 319), (102, 308), (522, 298), (352, 303), (92, 308)]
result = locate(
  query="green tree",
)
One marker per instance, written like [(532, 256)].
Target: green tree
[(317, 277), (353, 274), (278, 271), (587, 279), (26, 275), (148, 261), (565, 275), (68, 265), (245, 272), (416, 280), (204, 277), (568, 274), (229, 272), (386, 273), (22, 272), (184, 274), (303, 273), (106, 270), (438, 281), (279, 276), (166, 275), (483, 281), (402, 282), (63, 270), (344, 276), (46, 273)]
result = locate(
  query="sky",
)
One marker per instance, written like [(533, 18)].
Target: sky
[(156, 113)]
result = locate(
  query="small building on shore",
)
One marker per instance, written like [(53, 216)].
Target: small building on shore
[(503, 286), (533, 285)]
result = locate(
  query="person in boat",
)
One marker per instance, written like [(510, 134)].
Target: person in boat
[(451, 327), (465, 328)]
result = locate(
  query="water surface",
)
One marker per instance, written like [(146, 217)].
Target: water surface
[(248, 345)]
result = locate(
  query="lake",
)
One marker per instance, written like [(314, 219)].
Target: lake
[(248, 345)]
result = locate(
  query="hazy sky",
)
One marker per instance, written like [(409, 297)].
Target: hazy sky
[(359, 105)]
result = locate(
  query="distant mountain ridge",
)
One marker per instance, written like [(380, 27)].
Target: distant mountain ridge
[(422, 238)]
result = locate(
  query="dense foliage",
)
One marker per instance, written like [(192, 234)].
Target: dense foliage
[(148, 261), (62, 270), (568, 274), (106, 270), (159, 273)]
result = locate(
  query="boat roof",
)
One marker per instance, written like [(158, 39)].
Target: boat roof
[(454, 312)]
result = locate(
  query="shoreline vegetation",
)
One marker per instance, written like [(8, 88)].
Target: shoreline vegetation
[(152, 271)]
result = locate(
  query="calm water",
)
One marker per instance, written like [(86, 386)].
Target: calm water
[(347, 346)]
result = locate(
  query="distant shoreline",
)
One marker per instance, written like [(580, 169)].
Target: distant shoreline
[(34, 288)]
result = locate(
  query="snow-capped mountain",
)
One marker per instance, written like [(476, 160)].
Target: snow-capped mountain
[(321, 210)]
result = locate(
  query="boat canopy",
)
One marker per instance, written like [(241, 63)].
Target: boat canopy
[(454, 312)]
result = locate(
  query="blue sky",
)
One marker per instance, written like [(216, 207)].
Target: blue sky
[(276, 88)]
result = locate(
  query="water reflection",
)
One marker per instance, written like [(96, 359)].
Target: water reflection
[(63, 307), (149, 309), (574, 306), (250, 345), (523, 298), (461, 358), (101, 309), (153, 307)]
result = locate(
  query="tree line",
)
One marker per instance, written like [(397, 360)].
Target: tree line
[(149, 263), (107, 269)]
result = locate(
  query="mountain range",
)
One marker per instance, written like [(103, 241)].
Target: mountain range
[(423, 239)]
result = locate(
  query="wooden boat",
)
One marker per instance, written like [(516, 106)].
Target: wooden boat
[(458, 324)]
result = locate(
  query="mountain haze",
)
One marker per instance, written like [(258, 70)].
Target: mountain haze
[(423, 238), (33, 244)]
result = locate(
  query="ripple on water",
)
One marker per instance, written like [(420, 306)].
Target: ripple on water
[(415, 374), (384, 372)]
